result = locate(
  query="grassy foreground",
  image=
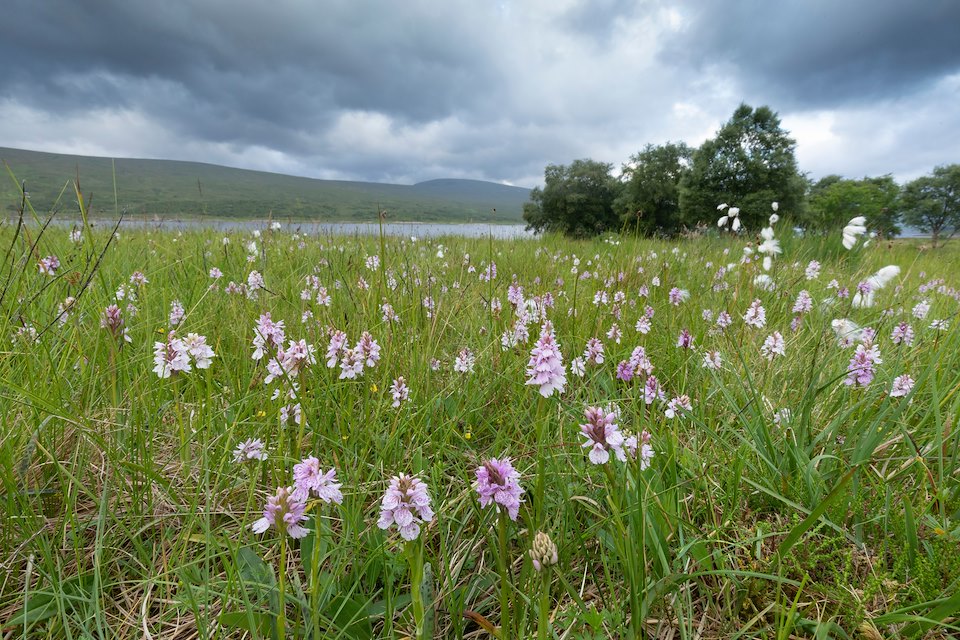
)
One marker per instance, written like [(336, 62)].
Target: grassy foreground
[(782, 503)]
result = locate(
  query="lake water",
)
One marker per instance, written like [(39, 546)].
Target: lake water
[(400, 229), (910, 232), (403, 229)]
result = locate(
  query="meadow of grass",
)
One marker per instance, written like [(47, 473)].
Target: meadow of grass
[(782, 503)]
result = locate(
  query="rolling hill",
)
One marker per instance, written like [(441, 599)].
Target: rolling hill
[(171, 188)]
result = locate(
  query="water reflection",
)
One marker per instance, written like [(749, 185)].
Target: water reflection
[(405, 229)]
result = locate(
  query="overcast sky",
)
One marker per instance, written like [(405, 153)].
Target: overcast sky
[(403, 91)]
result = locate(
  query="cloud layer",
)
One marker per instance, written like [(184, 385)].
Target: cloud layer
[(409, 91)]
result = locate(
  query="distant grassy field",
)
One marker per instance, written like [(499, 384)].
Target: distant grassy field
[(190, 189), (789, 494)]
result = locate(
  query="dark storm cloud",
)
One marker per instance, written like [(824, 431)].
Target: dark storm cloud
[(282, 76), (289, 64), (812, 53), (406, 91)]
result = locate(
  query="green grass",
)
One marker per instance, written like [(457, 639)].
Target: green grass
[(124, 515), (169, 188)]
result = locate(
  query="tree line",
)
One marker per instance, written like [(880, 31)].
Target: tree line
[(750, 163)]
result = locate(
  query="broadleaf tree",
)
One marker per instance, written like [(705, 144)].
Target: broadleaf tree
[(650, 200), (834, 201), (576, 200), (749, 164), (932, 203)]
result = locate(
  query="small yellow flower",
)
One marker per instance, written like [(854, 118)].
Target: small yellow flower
[(373, 388), (939, 531), (161, 330), (261, 413), (344, 438), (467, 435)]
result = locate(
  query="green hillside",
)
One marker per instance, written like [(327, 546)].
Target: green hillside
[(188, 189)]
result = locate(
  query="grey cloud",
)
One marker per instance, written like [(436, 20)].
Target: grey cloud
[(879, 138), (413, 63), (428, 88), (803, 54), (598, 18)]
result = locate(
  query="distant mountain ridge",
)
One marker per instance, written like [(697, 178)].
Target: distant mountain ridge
[(172, 188)]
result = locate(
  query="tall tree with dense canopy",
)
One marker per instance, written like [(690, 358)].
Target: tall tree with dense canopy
[(833, 201), (576, 200), (650, 200), (749, 164), (932, 203)]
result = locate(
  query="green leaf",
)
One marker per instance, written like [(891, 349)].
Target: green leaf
[(920, 624), (307, 545), (259, 624), (306, 551), (701, 553), (427, 596), (593, 618), (39, 607), (254, 571), (910, 530), (350, 617), (378, 609)]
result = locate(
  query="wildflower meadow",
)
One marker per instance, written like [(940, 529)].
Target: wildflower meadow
[(268, 434)]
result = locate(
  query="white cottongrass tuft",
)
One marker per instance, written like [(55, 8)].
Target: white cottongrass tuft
[(874, 283), (847, 331), (732, 215), (854, 229)]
